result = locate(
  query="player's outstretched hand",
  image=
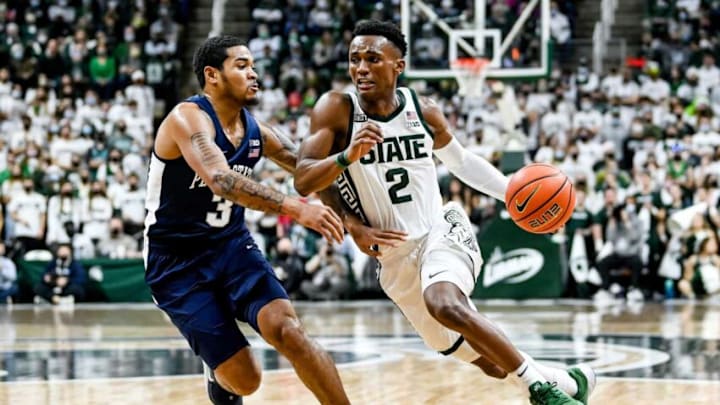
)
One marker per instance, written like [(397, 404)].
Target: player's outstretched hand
[(364, 140), (366, 238), (323, 220)]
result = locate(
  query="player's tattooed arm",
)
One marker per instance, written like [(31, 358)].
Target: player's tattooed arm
[(279, 148), (230, 184)]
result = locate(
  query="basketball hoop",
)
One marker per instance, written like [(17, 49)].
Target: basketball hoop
[(470, 75)]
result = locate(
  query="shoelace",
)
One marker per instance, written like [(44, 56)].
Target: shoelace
[(544, 389)]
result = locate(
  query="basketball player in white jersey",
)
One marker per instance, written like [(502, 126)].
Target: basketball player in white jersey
[(378, 144)]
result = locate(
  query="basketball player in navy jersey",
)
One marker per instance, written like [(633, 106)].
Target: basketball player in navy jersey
[(202, 266), (378, 143)]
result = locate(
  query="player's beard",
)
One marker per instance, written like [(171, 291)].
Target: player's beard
[(252, 100)]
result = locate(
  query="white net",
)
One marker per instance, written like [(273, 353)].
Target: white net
[(470, 75)]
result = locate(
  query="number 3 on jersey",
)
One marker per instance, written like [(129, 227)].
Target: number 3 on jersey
[(221, 216), (391, 176)]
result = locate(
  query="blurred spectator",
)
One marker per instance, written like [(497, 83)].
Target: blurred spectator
[(98, 212), (265, 40), (142, 94), (624, 236), (63, 277), (708, 73), (131, 205), (27, 210), (103, 72), (328, 272), (8, 277), (83, 247), (62, 208), (701, 276), (560, 31), (118, 244), (288, 266)]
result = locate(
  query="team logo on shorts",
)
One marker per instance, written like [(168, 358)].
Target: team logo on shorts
[(459, 231)]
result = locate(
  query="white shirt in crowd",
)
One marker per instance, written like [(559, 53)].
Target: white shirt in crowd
[(708, 77), (705, 140), (560, 27), (556, 124), (28, 212), (589, 119), (626, 90), (62, 150), (656, 90), (132, 205), (97, 217), (60, 210), (145, 98), (611, 83), (690, 93)]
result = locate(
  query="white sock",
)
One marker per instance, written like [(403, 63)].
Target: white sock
[(563, 380), (529, 374)]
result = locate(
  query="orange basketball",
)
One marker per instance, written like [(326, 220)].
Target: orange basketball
[(540, 198)]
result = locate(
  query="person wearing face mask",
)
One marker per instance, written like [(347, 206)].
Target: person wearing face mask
[(587, 118), (706, 139), (27, 211), (98, 211), (560, 31), (656, 89), (132, 205), (103, 72), (64, 277), (62, 208), (624, 234), (118, 244), (120, 139), (142, 94), (690, 89)]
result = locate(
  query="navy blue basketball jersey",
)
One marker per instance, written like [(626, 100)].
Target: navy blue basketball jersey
[(181, 208)]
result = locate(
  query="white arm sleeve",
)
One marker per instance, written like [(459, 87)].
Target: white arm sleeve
[(473, 170)]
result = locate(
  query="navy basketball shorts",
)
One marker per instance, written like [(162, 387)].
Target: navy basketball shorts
[(204, 292)]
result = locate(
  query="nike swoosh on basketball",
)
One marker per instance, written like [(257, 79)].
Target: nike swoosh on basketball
[(435, 274), (521, 206)]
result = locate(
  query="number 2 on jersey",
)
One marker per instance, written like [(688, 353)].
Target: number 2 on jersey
[(221, 216), (390, 176)]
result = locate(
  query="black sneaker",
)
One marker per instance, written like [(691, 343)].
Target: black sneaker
[(219, 395)]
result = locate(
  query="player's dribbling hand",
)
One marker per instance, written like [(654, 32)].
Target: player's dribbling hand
[(323, 220), (364, 140)]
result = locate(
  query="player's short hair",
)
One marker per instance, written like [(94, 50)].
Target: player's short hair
[(384, 29), (212, 53)]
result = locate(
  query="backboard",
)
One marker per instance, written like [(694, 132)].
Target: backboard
[(515, 41)]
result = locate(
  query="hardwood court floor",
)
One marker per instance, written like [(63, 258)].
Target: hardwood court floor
[(654, 354)]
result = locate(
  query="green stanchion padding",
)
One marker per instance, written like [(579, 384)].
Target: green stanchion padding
[(518, 264), (122, 280)]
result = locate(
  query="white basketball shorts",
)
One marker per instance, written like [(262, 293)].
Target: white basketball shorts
[(449, 253)]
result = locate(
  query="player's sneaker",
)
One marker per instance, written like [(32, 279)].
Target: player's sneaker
[(585, 378), (219, 395), (549, 394)]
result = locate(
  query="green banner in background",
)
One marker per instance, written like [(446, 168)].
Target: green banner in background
[(108, 280), (518, 264)]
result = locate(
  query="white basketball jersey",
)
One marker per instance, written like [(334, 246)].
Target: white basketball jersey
[(395, 185)]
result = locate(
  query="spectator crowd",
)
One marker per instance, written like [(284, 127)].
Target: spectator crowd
[(80, 94)]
